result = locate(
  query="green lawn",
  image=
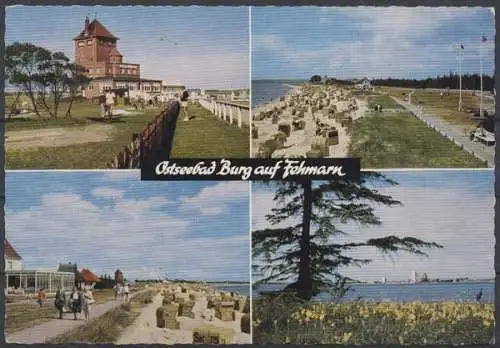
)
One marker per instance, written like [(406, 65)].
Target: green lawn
[(204, 136), (21, 316), (207, 137), (386, 101), (445, 107), (402, 141)]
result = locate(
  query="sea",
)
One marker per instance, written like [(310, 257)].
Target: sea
[(423, 292), (265, 91), (242, 289)]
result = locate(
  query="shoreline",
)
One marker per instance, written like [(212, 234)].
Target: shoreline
[(271, 104)]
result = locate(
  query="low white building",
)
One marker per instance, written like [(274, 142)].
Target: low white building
[(24, 282), (363, 84)]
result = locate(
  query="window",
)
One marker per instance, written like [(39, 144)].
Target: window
[(81, 44), (89, 42), (10, 265)]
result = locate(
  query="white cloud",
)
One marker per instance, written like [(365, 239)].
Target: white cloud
[(454, 217), (121, 175), (107, 193), (214, 200), (393, 48), (130, 234)]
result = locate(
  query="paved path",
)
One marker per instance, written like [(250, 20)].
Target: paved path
[(454, 133), (43, 332)]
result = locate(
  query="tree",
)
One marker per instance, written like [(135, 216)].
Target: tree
[(45, 76), (306, 251), (315, 79), (22, 66)]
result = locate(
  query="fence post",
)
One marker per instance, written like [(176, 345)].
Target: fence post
[(240, 118), (230, 114)]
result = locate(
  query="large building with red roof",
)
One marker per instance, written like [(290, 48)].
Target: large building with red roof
[(96, 49)]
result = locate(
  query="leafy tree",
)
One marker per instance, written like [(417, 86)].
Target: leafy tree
[(22, 66), (45, 76), (306, 251), (315, 79)]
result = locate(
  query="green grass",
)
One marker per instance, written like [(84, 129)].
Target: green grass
[(402, 141), (386, 101), (204, 136), (359, 323), (81, 156), (207, 137), (445, 107), (21, 316), (80, 113)]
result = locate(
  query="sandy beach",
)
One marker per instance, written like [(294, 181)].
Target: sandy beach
[(145, 329), (314, 119)]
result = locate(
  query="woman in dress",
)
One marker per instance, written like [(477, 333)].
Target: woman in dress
[(184, 102), (88, 301)]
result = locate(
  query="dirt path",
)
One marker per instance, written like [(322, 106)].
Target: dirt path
[(56, 137), (42, 333), (144, 330)]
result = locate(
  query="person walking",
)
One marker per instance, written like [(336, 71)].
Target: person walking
[(40, 296), (115, 289), (126, 291), (76, 302), (88, 301), (102, 103), (60, 301), (184, 101), (110, 101)]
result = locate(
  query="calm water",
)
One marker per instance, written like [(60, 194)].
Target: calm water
[(413, 292), (265, 91), (242, 289)]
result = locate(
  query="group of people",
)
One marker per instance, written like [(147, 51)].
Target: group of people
[(80, 300), (121, 292)]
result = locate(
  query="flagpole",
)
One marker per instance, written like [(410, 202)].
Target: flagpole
[(481, 78), (460, 77)]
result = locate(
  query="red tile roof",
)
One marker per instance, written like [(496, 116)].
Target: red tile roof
[(96, 29), (10, 252), (88, 276)]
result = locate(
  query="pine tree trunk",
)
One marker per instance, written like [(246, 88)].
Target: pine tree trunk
[(304, 284)]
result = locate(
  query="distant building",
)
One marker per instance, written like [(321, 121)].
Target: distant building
[(96, 50), (413, 277), (172, 91), (11, 257), (25, 282), (364, 84)]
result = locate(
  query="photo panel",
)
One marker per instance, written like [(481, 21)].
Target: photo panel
[(402, 258), (104, 83), (398, 87), (101, 257)]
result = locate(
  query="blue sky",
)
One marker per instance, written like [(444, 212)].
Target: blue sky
[(351, 42), (212, 48), (108, 220), (452, 208)]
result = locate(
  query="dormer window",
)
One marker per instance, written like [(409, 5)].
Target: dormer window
[(81, 44)]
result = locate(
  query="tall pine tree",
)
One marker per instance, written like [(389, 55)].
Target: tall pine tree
[(305, 253)]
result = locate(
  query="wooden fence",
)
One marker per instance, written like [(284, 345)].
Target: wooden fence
[(154, 141)]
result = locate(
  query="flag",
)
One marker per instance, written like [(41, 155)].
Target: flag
[(484, 39)]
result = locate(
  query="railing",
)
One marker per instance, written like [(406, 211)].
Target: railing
[(233, 113), (152, 142)]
